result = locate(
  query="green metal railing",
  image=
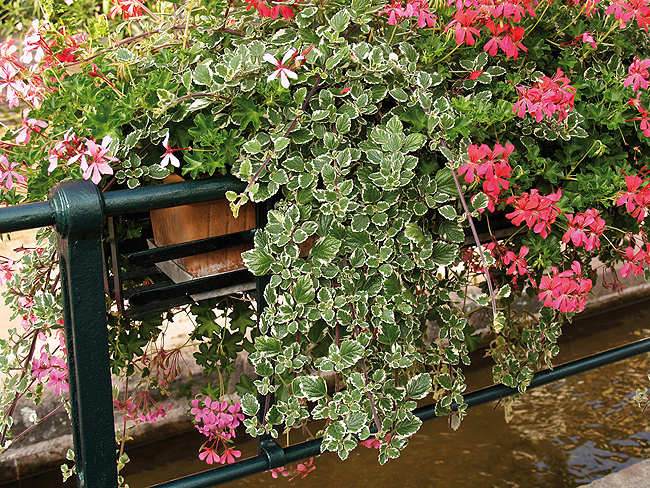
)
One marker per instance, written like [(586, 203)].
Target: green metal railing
[(78, 211)]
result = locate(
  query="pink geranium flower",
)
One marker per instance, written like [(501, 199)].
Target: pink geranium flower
[(8, 175), (638, 74), (99, 160), (27, 127), (283, 68)]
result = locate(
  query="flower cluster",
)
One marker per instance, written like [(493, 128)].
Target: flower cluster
[(565, 291), (52, 369), (490, 165), (584, 228), (142, 408), (498, 17), (624, 11), (265, 11), (29, 126), (637, 197), (547, 96), (301, 469), (5, 270), (537, 210), (514, 261), (638, 74), (218, 421), (126, 8), (93, 159), (634, 261), (163, 364), (21, 79), (418, 9)]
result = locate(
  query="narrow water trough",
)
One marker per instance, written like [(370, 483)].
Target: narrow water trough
[(562, 435)]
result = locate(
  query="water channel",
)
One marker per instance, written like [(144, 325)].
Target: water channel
[(563, 435)]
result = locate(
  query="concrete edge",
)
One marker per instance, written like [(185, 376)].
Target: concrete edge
[(635, 476)]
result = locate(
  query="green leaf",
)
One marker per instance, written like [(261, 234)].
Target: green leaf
[(444, 380), (249, 405), (340, 20), (312, 388), (281, 143), (343, 124), (448, 212), (480, 201), (247, 113), (419, 386), (351, 352), (324, 251), (443, 253), (258, 261), (303, 290), (202, 75), (414, 233), (408, 426), (355, 422)]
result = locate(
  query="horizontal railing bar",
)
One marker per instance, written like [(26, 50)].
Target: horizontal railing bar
[(311, 448), (147, 308), (41, 214), (192, 287), (542, 378), (193, 248), (27, 216), (170, 195)]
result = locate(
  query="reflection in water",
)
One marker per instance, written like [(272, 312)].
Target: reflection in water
[(562, 435), (592, 418)]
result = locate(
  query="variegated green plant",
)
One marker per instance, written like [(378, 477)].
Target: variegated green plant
[(383, 134)]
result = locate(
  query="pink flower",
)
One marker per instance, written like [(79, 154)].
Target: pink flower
[(565, 291), (519, 265), (638, 74), (229, 456), (261, 7), (209, 455), (5, 271), (52, 369), (546, 97), (589, 39), (169, 157), (281, 470), (537, 210), (584, 228), (345, 91), (282, 69), (70, 148), (34, 46), (28, 126), (463, 27), (126, 8), (142, 408), (99, 158), (634, 262), (8, 176), (622, 11), (394, 11)]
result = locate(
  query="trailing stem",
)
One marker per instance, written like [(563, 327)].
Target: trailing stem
[(477, 241)]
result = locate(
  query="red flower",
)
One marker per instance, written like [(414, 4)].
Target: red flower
[(537, 210), (584, 228), (519, 265), (565, 291), (638, 74)]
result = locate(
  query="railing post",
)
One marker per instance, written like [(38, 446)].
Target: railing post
[(79, 215)]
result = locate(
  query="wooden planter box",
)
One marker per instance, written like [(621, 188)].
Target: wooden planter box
[(186, 223)]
